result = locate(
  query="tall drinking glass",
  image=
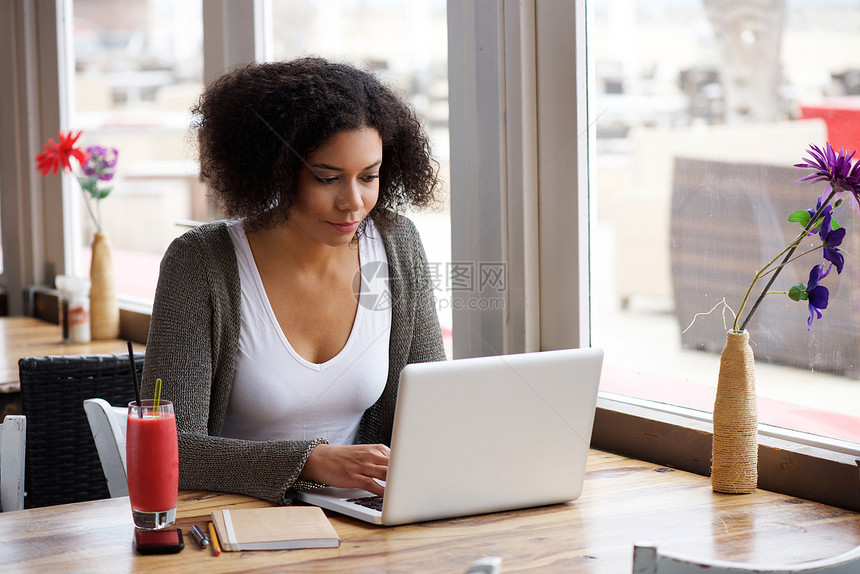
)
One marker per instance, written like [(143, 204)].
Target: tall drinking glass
[(152, 461)]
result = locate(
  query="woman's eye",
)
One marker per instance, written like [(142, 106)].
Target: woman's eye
[(370, 178), (326, 180)]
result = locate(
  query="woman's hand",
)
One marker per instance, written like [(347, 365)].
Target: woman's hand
[(348, 466)]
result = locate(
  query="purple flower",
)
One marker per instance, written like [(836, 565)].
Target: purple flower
[(831, 239), (827, 209), (817, 294), (833, 168), (101, 162)]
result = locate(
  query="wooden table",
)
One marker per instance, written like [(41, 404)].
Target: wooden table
[(31, 337), (624, 501)]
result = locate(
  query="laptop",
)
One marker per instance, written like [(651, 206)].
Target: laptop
[(481, 435)]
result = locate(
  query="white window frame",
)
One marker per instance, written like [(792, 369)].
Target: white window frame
[(519, 170), (33, 228)]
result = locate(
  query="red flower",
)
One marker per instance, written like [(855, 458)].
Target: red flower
[(56, 155)]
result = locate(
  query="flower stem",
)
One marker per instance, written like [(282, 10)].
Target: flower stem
[(794, 244), (767, 270), (90, 209), (99, 212)]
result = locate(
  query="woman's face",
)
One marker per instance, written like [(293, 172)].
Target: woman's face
[(338, 187)]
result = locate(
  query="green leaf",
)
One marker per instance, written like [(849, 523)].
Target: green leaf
[(798, 292), (89, 184), (102, 193), (801, 216)]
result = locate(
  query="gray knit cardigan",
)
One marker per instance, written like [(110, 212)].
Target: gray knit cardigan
[(192, 346)]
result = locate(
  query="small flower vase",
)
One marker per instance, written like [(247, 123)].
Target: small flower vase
[(104, 309), (734, 465)]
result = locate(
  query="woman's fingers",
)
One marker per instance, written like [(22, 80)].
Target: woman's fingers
[(372, 486), (373, 466), (348, 466)]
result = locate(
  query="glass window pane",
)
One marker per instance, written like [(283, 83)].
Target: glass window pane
[(406, 44), (701, 109), (138, 70)]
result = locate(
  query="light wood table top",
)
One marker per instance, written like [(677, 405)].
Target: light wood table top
[(30, 337), (624, 501)]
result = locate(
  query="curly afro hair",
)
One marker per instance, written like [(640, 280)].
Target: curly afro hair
[(256, 125)]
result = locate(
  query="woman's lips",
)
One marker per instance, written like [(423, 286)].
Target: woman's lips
[(347, 227)]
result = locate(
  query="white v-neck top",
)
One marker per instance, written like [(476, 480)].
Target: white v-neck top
[(277, 394)]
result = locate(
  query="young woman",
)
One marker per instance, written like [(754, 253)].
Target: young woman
[(280, 333)]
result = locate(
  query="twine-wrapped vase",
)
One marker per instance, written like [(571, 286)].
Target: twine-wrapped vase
[(104, 309), (734, 466)]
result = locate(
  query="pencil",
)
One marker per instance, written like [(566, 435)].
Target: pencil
[(216, 547)]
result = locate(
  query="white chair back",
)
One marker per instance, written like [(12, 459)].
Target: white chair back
[(648, 560), (108, 425), (13, 437)]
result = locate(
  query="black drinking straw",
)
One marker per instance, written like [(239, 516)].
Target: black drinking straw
[(134, 378)]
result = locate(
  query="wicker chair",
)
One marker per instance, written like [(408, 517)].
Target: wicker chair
[(62, 464)]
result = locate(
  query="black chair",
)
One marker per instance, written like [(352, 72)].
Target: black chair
[(62, 464)]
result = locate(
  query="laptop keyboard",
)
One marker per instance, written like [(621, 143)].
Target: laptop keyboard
[(372, 502)]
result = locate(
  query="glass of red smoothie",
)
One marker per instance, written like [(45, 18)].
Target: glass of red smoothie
[(152, 463)]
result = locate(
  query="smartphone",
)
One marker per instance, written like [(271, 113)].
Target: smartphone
[(158, 541)]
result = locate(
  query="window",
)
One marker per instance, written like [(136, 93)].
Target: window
[(529, 147), (138, 69), (519, 132), (701, 109)]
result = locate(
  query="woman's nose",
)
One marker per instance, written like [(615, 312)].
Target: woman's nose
[(350, 197)]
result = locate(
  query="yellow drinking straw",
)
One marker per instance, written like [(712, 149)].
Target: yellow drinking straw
[(157, 398)]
